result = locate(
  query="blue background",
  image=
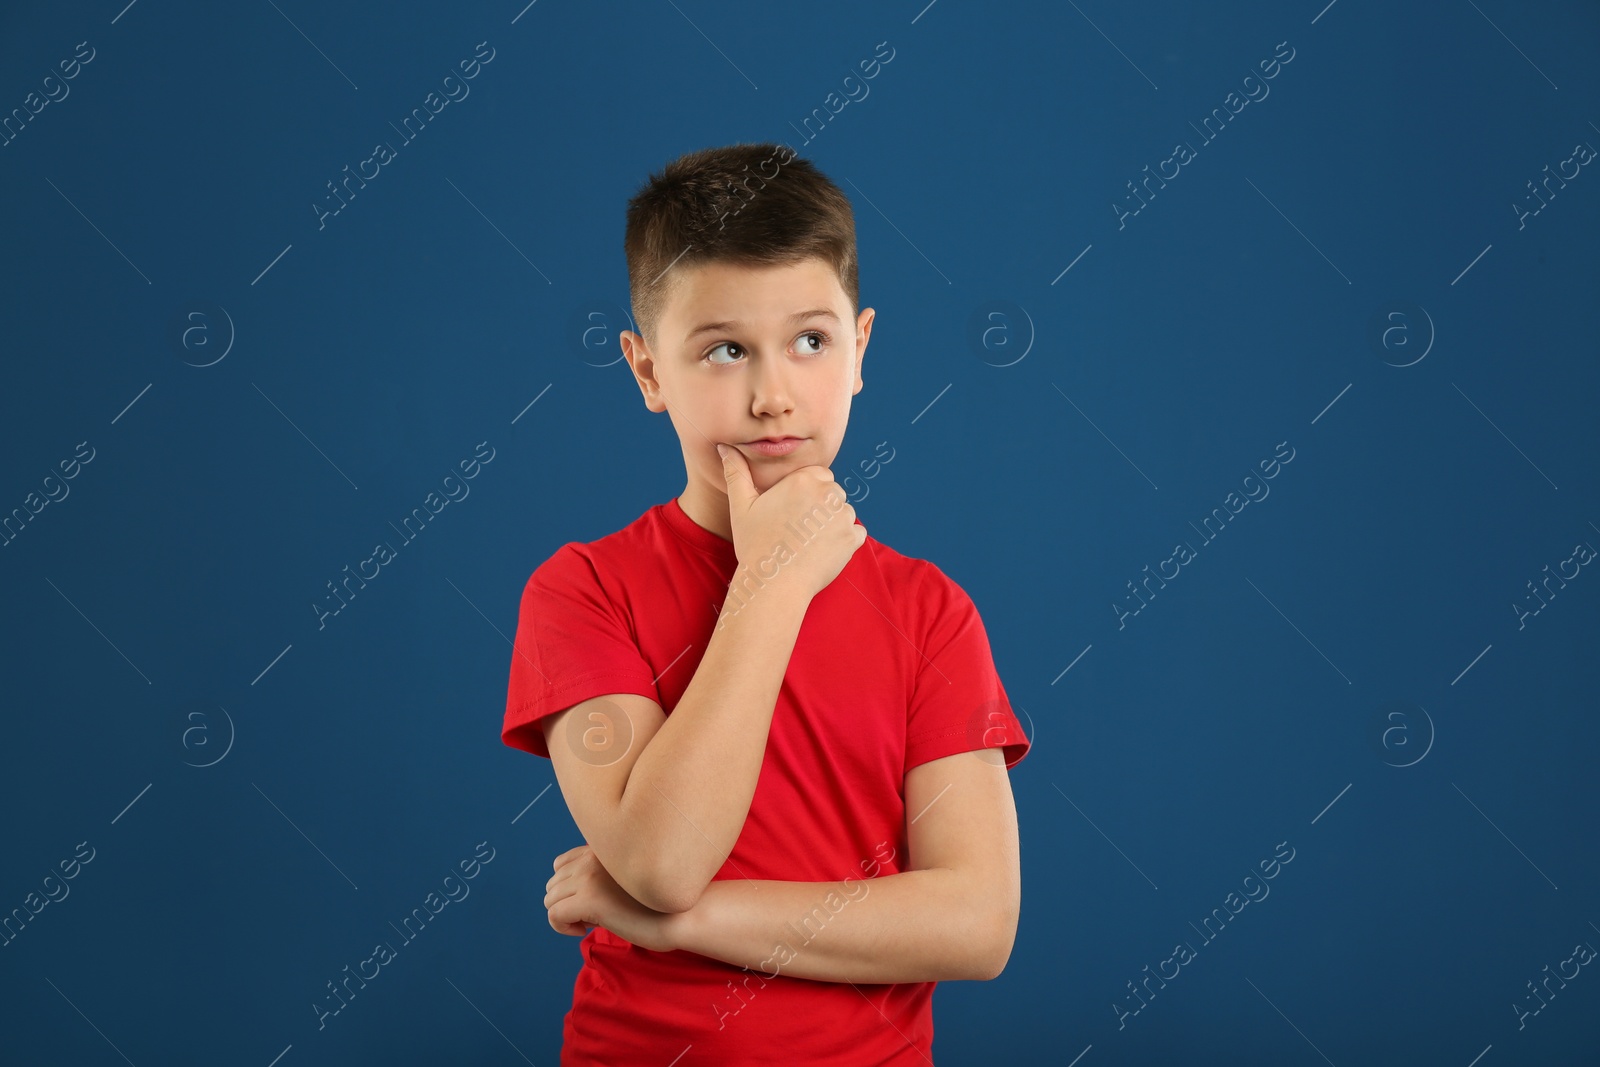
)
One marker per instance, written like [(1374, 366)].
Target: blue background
[(1342, 270)]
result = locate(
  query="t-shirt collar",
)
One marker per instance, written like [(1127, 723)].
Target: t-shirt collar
[(679, 522)]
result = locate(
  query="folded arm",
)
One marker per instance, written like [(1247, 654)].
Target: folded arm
[(951, 915)]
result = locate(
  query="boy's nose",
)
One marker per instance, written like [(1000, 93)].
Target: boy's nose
[(772, 395)]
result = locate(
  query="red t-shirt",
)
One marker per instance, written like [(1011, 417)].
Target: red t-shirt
[(891, 668)]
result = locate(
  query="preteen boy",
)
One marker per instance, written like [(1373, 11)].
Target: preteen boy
[(784, 742)]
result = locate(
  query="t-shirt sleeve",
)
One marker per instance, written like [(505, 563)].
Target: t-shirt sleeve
[(958, 703), (572, 643)]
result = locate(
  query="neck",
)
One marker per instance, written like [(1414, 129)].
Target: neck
[(708, 508)]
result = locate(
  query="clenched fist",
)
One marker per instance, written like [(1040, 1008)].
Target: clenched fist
[(805, 510)]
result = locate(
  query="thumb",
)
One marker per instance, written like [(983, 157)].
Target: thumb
[(741, 489)]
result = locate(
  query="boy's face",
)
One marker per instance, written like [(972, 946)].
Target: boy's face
[(761, 373)]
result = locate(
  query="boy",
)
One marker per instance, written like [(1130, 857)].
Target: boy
[(784, 743)]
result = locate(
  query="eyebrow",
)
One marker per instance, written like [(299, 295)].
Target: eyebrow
[(799, 316)]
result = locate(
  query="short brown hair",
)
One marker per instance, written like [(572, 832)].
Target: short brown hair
[(723, 205)]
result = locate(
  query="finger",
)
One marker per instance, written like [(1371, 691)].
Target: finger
[(571, 929), (567, 855), (558, 888), (736, 472), (565, 914)]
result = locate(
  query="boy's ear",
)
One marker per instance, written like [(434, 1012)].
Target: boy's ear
[(643, 366), (863, 335)]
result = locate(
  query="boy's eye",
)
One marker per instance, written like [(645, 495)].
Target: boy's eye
[(822, 339), (725, 344), (821, 342)]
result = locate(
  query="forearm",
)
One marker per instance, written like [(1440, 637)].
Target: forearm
[(916, 926), (689, 792)]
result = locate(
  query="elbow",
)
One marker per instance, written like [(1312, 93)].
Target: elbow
[(654, 880), (678, 881), (659, 894), (994, 951), (671, 901), (658, 876), (636, 878), (993, 963), (667, 890)]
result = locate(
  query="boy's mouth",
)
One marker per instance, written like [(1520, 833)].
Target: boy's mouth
[(775, 446)]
